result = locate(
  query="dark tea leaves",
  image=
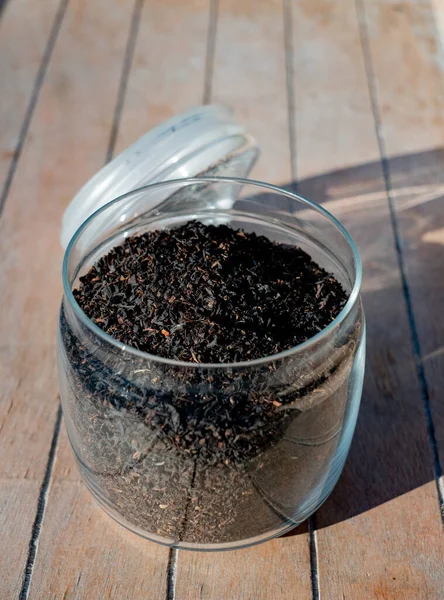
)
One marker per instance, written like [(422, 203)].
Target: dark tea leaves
[(198, 454), (209, 294)]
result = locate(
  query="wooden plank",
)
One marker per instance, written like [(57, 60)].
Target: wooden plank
[(27, 34), (249, 75), (366, 548), (272, 570), (410, 100), (381, 555), (66, 144), (167, 74), (84, 554), (24, 34), (27, 396)]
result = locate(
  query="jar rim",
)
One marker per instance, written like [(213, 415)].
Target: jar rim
[(353, 297)]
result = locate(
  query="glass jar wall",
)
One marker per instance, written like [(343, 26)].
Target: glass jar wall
[(131, 417)]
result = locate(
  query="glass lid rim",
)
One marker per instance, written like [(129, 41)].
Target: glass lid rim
[(352, 299)]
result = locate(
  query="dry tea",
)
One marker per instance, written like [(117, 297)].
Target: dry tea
[(209, 294), (185, 453)]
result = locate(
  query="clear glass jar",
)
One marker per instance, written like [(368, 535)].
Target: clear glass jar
[(117, 400)]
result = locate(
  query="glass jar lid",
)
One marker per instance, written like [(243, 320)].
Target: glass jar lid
[(203, 141)]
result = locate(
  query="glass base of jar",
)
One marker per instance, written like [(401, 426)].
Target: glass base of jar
[(316, 499)]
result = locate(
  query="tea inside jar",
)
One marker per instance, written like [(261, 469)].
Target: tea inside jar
[(186, 454), (209, 294)]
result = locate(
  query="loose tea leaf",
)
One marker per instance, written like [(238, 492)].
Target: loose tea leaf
[(197, 454), (209, 294)]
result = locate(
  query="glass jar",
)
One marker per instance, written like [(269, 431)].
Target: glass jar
[(131, 416)]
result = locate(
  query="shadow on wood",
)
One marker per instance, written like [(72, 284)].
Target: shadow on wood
[(392, 450)]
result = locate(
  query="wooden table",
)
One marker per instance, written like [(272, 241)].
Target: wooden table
[(346, 100)]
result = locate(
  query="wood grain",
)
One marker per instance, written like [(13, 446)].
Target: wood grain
[(393, 551), (28, 396), (412, 133), (277, 570), (363, 524), (249, 75), (24, 31), (24, 37), (84, 554), (167, 74)]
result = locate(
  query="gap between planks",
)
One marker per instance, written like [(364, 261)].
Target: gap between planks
[(314, 558), (420, 372), (289, 73), (172, 574)]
